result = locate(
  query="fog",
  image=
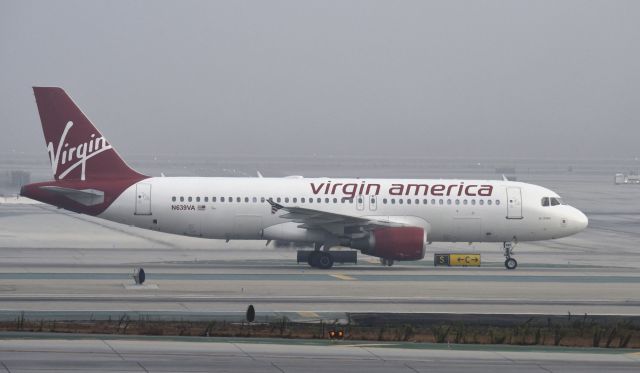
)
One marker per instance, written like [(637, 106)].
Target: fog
[(512, 79)]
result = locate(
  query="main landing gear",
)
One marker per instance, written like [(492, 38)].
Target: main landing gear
[(386, 262), (320, 259), (509, 263)]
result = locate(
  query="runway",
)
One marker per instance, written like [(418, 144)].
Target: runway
[(56, 265), (185, 355), (285, 289), (52, 262)]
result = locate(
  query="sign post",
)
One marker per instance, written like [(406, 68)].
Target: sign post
[(456, 260)]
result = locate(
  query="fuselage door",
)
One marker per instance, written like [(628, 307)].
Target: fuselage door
[(360, 202), (514, 203), (143, 199), (373, 203)]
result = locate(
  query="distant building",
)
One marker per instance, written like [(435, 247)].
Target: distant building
[(626, 179)]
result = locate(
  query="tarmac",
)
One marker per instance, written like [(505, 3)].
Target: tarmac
[(56, 261), (86, 353), (63, 266)]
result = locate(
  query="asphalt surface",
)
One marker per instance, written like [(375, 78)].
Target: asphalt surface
[(55, 261), (63, 266), (153, 355)]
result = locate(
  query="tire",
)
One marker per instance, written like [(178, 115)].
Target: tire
[(312, 259), (511, 263), (325, 260)]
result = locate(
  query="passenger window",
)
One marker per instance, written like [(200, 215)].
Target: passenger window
[(230, 199), (173, 199), (197, 199), (335, 200), (497, 202), (310, 200), (393, 201), (238, 199), (384, 200), (302, 199), (448, 202), (554, 202), (319, 200), (221, 199), (473, 201), (457, 202), (206, 199), (489, 202), (213, 199), (189, 199), (400, 201), (278, 199), (441, 201), (326, 200), (433, 201), (481, 202), (464, 202), (255, 199), (545, 201), (409, 201), (246, 199), (359, 199), (262, 199)]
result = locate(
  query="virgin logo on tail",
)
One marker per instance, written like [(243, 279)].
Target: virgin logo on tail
[(76, 156)]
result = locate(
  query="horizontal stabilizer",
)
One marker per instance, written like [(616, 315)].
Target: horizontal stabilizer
[(87, 197)]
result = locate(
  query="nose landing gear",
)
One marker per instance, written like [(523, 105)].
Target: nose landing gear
[(509, 263)]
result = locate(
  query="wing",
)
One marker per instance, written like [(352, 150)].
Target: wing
[(332, 222)]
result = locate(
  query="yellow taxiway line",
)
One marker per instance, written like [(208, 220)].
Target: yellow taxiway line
[(309, 314), (342, 277)]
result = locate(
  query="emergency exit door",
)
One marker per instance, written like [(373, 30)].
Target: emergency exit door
[(143, 199), (514, 203)]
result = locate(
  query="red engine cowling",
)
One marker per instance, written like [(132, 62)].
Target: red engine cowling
[(398, 243)]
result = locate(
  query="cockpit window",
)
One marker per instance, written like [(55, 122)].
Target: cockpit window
[(552, 201)]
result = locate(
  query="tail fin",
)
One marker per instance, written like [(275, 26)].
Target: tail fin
[(77, 150)]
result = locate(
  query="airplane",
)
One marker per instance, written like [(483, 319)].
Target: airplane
[(392, 219)]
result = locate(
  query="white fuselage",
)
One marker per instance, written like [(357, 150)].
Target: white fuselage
[(237, 208)]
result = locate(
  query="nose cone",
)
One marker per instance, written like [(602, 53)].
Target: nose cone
[(581, 220)]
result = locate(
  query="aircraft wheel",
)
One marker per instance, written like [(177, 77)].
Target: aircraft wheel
[(510, 263), (312, 259), (386, 262), (325, 260)]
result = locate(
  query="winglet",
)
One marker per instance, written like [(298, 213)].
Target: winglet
[(275, 207)]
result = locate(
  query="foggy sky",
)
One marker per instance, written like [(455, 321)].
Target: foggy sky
[(387, 78)]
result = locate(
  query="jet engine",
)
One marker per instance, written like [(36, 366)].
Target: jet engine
[(396, 243)]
